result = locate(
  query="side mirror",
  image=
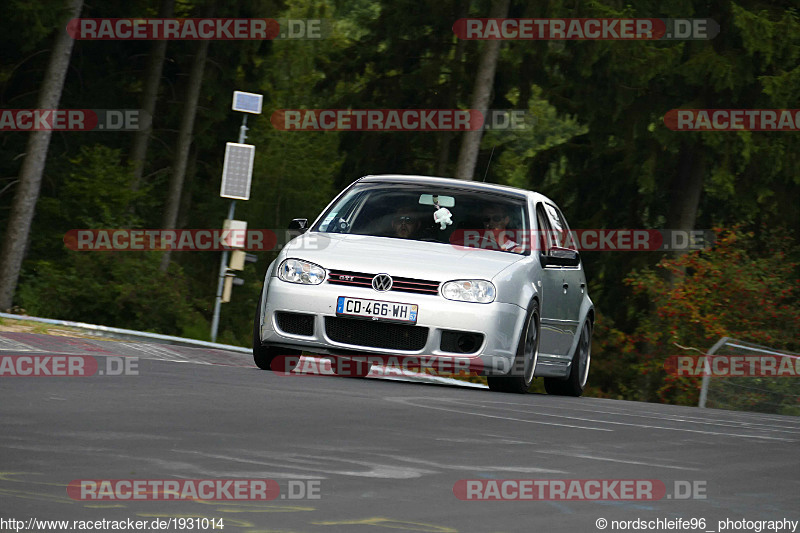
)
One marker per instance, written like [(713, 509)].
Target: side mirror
[(560, 257), (299, 224), (543, 259), (565, 257)]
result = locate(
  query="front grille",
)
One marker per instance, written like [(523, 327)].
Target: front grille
[(360, 279), (295, 323), (376, 334), (460, 341)]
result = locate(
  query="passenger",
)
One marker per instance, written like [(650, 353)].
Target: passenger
[(495, 222)]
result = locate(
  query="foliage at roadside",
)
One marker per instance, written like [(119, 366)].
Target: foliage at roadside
[(745, 287), (121, 289), (110, 288)]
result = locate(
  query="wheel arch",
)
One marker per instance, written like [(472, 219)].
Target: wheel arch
[(533, 296)]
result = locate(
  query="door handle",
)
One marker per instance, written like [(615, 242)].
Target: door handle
[(566, 286)]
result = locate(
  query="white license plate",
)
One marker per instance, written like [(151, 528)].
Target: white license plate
[(376, 309)]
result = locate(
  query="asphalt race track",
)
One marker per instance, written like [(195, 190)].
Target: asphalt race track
[(376, 455)]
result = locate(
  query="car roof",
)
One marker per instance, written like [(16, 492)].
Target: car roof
[(450, 182)]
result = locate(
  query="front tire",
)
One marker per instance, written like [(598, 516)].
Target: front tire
[(579, 369), (520, 377)]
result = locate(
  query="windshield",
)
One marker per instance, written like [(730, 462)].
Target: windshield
[(432, 214)]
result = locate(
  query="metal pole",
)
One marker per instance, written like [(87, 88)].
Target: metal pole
[(707, 371), (243, 129), (223, 269), (223, 263)]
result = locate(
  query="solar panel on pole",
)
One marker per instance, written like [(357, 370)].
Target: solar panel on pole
[(247, 102), (237, 174), (237, 171)]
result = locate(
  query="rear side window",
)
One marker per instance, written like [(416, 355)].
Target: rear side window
[(544, 232), (561, 233)]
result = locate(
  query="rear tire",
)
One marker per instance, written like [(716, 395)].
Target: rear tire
[(264, 356), (519, 378), (579, 369)]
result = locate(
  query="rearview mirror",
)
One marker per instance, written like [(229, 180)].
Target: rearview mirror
[(444, 201)]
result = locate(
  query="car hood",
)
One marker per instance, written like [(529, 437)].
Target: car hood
[(398, 257)]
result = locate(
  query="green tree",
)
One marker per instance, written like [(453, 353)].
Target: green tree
[(27, 191)]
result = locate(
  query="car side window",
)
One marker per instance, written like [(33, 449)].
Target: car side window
[(544, 233), (561, 232)]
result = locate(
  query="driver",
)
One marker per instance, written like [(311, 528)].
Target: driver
[(405, 223)]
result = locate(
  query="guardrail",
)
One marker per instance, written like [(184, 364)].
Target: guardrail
[(130, 334)]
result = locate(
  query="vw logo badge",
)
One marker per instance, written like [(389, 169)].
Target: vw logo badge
[(382, 282)]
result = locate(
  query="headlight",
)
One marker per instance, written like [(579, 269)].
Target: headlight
[(296, 271), (469, 290)]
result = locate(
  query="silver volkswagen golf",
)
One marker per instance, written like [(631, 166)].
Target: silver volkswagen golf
[(451, 270)]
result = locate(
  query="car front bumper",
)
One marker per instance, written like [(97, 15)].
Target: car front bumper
[(498, 323)]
